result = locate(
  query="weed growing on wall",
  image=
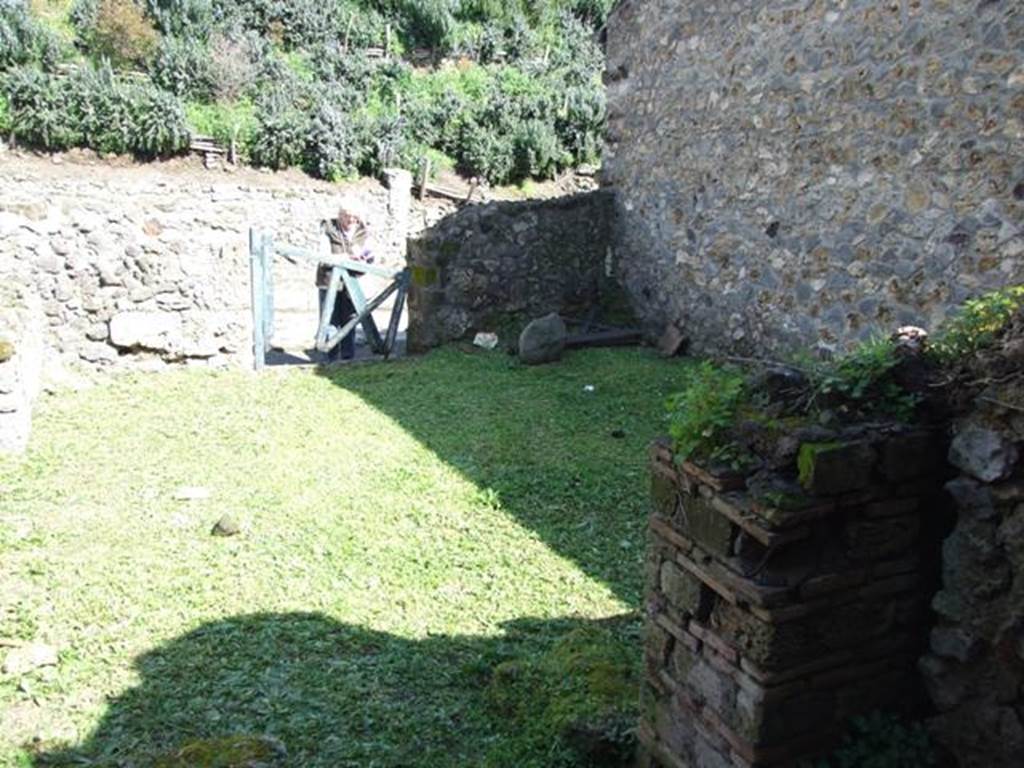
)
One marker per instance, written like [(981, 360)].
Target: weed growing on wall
[(975, 326), (702, 414)]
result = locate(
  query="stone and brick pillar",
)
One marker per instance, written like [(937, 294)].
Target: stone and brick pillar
[(778, 610)]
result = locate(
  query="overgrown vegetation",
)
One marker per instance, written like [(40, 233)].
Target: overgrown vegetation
[(703, 413), (975, 326), (501, 90)]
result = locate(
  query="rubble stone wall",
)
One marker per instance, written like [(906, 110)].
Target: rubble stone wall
[(107, 269), (777, 611), (488, 266), (793, 173), (139, 270), (974, 668)]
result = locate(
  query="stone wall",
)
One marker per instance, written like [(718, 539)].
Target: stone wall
[(974, 669), (777, 611), (489, 267), (787, 173), (120, 269), (140, 269)]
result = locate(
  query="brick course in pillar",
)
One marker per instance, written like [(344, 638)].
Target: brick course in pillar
[(769, 628)]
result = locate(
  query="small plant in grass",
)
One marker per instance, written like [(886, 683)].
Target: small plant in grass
[(882, 740), (702, 414), (975, 326)]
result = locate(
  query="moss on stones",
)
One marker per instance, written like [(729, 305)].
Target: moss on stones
[(808, 457)]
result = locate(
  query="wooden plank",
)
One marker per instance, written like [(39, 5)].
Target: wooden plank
[(615, 338), (333, 340), (333, 260), (355, 292), (396, 315)]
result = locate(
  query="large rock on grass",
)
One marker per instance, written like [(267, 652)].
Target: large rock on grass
[(543, 340)]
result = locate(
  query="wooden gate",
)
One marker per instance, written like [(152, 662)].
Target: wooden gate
[(344, 272)]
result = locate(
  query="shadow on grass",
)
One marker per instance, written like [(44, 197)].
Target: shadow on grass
[(337, 695), (562, 447)]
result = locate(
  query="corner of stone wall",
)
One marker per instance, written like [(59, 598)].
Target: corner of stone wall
[(490, 267)]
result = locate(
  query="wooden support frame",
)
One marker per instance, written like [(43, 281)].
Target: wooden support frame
[(345, 272)]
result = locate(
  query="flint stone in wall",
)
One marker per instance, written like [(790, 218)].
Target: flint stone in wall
[(983, 453), (158, 331)]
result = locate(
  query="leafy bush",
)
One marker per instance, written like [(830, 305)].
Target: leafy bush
[(191, 19), (701, 415), (881, 740), (160, 126), (279, 140), (233, 64), (975, 326), (863, 380), (184, 67), (93, 108), (38, 109), (122, 33), (23, 40), (333, 144)]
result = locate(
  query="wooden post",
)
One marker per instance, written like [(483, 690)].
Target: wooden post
[(259, 349), (348, 30), (387, 41), (424, 175)]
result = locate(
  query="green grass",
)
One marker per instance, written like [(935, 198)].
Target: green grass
[(407, 529)]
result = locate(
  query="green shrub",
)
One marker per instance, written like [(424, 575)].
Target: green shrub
[(863, 380), (702, 414), (279, 139), (38, 109), (23, 40), (184, 68), (333, 145), (976, 324), (103, 110), (190, 19), (160, 126), (122, 33), (234, 64), (93, 108)]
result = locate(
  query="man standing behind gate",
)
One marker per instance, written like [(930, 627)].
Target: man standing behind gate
[(346, 235)]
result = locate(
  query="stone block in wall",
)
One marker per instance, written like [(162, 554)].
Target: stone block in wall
[(830, 469)]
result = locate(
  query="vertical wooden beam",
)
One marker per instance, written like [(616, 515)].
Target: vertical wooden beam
[(259, 350)]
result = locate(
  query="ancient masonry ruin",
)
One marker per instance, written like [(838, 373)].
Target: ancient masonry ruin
[(774, 617)]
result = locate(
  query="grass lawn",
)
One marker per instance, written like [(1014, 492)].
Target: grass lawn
[(407, 529)]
